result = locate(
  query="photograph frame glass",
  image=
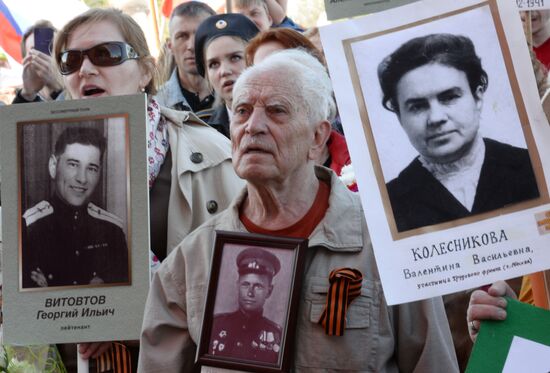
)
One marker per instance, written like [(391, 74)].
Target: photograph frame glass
[(240, 261)]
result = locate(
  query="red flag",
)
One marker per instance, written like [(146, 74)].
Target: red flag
[(167, 8)]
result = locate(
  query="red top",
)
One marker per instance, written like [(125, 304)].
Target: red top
[(339, 154), (303, 227), (543, 53)]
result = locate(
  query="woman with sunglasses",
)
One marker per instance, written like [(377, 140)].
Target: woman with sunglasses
[(103, 52), (220, 41)]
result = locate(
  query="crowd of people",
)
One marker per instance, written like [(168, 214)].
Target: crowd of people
[(244, 135)]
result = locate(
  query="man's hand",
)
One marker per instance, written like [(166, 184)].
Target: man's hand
[(487, 305), (94, 349), (38, 277)]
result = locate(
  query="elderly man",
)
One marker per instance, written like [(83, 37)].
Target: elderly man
[(435, 85), (186, 89), (67, 240), (281, 121)]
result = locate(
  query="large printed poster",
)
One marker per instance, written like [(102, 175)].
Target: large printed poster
[(449, 144), (74, 189)]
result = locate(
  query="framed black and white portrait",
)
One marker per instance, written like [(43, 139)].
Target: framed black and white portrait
[(448, 131), (74, 202), (448, 140), (74, 189), (252, 300)]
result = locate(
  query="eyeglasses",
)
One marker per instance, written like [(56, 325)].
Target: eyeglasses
[(105, 54)]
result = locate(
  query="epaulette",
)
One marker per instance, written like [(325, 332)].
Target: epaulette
[(99, 213), (37, 212)]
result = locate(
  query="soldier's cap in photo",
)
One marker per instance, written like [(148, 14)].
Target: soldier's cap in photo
[(257, 260)]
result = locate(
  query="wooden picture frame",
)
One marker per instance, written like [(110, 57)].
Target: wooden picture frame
[(238, 332)]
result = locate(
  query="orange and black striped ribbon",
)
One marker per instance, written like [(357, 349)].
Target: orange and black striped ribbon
[(345, 286), (117, 359)]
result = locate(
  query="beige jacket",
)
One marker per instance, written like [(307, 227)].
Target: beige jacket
[(212, 182), (412, 337)]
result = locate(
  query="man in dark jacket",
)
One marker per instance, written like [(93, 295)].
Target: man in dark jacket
[(67, 240)]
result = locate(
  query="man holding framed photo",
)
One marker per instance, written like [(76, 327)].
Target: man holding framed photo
[(67, 240), (282, 109), (246, 333)]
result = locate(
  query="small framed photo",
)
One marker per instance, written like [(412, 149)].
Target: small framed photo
[(250, 313)]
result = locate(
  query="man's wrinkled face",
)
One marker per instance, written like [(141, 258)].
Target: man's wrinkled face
[(270, 131), (438, 111), (76, 173), (254, 289)]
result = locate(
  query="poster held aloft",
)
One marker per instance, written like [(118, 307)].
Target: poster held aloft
[(74, 182), (337, 9), (448, 141)]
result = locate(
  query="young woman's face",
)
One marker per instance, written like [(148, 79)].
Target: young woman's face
[(224, 59), (98, 81)]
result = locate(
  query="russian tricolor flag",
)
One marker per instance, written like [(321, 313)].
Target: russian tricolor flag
[(11, 34)]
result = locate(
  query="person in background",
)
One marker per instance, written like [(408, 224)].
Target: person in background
[(103, 52), (314, 36), (540, 31), (265, 13), (165, 63), (219, 51), (40, 82), (282, 110), (335, 154), (186, 89)]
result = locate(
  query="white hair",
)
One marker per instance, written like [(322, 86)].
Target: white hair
[(304, 72)]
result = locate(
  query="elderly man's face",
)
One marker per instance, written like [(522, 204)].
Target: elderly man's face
[(270, 132), (254, 289), (438, 111), (76, 173)]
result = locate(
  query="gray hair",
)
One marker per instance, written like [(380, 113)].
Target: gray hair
[(306, 73)]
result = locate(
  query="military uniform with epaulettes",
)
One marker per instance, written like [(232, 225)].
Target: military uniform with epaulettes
[(73, 245)]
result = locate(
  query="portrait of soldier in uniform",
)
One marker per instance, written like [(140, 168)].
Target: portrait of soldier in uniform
[(246, 333), (66, 239), (435, 85)]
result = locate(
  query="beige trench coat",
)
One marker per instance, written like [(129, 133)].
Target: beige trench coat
[(197, 185)]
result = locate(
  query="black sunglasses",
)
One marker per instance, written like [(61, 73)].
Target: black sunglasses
[(105, 54)]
